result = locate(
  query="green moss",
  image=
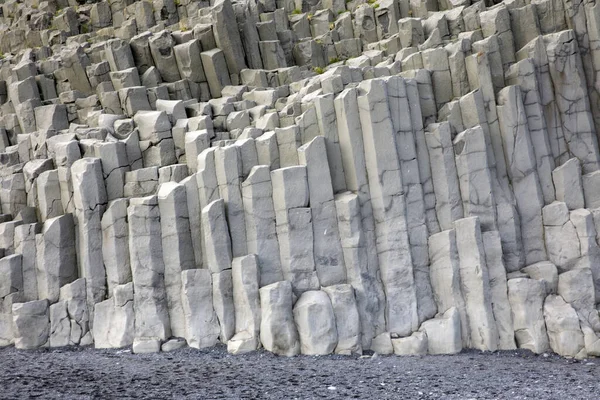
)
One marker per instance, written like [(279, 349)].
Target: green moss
[(334, 60), (318, 70), (296, 11), (375, 5)]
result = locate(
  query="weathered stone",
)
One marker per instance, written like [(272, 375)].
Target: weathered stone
[(31, 324), (388, 202), (294, 227), (445, 278), (228, 167), (148, 268), (315, 320), (526, 297), (223, 303), (449, 205), (562, 324), (114, 319), (568, 184), (329, 259), (201, 323), (278, 333), (347, 319), (261, 233), (56, 256), (413, 345), (178, 253), (115, 244), (143, 345), (246, 301), (475, 284), (443, 333), (361, 275), (90, 199), (498, 290), (474, 177), (560, 235), (217, 243)]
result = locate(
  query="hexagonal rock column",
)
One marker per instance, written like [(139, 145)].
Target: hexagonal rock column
[(115, 244), (294, 227), (388, 201), (178, 253), (89, 195), (56, 256), (328, 256), (201, 323), (247, 305), (261, 233), (147, 268), (368, 290), (475, 285)]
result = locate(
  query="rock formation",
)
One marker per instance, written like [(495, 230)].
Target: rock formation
[(402, 176)]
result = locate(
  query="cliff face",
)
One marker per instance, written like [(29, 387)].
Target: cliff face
[(407, 177)]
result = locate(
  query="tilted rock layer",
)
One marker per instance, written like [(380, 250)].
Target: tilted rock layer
[(315, 177)]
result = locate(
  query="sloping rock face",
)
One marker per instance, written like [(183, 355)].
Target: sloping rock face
[(408, 176)]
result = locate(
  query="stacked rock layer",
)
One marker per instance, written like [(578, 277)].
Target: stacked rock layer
[(310, 177)]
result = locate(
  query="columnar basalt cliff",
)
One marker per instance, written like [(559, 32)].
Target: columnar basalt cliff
[(309, 177)]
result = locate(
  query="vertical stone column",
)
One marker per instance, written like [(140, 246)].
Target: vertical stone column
[(446, 187), (179, 253), (565, 65), (478, 69), (115, 244), (228, 168), (194, 211), (370, 297), (415, 205), (294, 227), (48, 195), (523, 73), (355, 171), (25, 245), (208, 189), (475, 285), (261, 233), (422, 155), (536, 51), (327, 121), (201, 323), (526, 297), (445, 278), (474, 177), (389, 208), (217, 243), (522, 172), (56, 255), (90, 199), (498, 290), (328, 256), (247, 305), (148, 268), (114, 166)]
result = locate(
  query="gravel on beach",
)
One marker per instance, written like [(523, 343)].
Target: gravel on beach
[(87, 373)]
